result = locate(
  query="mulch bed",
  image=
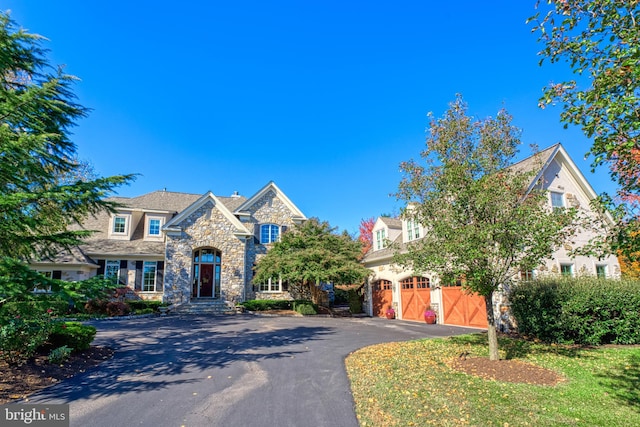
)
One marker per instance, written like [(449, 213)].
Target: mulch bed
[(513, 371), (18, 382)]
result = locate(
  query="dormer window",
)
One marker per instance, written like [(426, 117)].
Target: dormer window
[(380, 237), (154, 227), (269, 233), (413, 230), (119, 225)]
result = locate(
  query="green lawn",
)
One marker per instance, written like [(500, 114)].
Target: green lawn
[(411, 383)]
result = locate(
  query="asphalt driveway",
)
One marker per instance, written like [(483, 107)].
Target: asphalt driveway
[(238, 370)]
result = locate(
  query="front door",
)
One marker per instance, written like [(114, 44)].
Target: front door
[(206, 273), (206, 281)]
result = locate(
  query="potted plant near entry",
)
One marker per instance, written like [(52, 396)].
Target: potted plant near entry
[(390, 313), (430, 316)]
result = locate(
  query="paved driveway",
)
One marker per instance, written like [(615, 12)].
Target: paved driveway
[(238, 370)]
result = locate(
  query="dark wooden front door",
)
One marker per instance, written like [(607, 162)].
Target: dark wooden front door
[(206, 281)]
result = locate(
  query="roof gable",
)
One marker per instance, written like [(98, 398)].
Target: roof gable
[(173, 224), (297, 214)]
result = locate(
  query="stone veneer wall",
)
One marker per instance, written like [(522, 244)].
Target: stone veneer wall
[(207, 227), (269, 209)]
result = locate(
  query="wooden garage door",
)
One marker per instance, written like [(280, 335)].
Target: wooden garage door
[(415, 296), (463, 309), (382, 296)]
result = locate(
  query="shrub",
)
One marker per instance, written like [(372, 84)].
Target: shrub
[(21, 336), (59, 355), (355, 302), (144, 311), (118, 308), (96, 306), (53, 307), (305, 309), (72, 334), (581, 311), (263, 305), (143, 304), (340, 296)]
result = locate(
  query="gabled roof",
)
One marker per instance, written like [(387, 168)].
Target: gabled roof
[(172, 225), (391, 222), (271, 186), (539, 162)]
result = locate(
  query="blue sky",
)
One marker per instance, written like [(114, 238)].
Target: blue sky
[(325, 98)]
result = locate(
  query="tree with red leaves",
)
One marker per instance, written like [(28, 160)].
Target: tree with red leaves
[(366, 234)]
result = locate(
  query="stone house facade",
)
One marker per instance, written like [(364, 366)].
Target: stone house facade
[(180, 247)]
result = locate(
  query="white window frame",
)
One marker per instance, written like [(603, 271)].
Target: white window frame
[(571, 269), (380, 237), (149, 283), (605, 271), (115, 222), (148, 226), (42, 290), (555, 197), (110, 272), (271, 237), (271, 286)]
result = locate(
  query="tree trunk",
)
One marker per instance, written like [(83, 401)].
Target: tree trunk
[(491, 328)]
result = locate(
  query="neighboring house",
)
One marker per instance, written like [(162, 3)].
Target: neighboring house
[(392, 286), (180, 247)]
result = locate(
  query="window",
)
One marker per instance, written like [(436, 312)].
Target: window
[(557, 200), (601, 271), (566, 270), (526, 274), (112, 270), (154, 227), (149, 276), (39, 288), (273, 285), (380, 236), (383, 285), (119, 224), (269, 233), (417, 282), (413, 230)]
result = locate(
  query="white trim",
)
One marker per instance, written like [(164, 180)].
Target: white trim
[(172, 225), (298, 216)]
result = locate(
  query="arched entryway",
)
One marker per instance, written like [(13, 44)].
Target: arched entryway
[(206, 273)]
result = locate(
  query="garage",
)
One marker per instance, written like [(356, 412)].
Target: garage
[(463, 309), (382, 297), (415, 294)]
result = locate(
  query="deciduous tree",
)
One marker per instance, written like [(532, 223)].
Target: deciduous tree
[(310, 254), (482, 219), (600, 41), (366, 234)]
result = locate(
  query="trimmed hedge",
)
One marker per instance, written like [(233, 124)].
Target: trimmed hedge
[(143, 304), (581, 311), (264, 305)]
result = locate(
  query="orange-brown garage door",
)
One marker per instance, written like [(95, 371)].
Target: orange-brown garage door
[(463, 309), (416, 297), (382, 297)]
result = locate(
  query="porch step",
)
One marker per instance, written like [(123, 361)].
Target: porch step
[(205, 307)]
